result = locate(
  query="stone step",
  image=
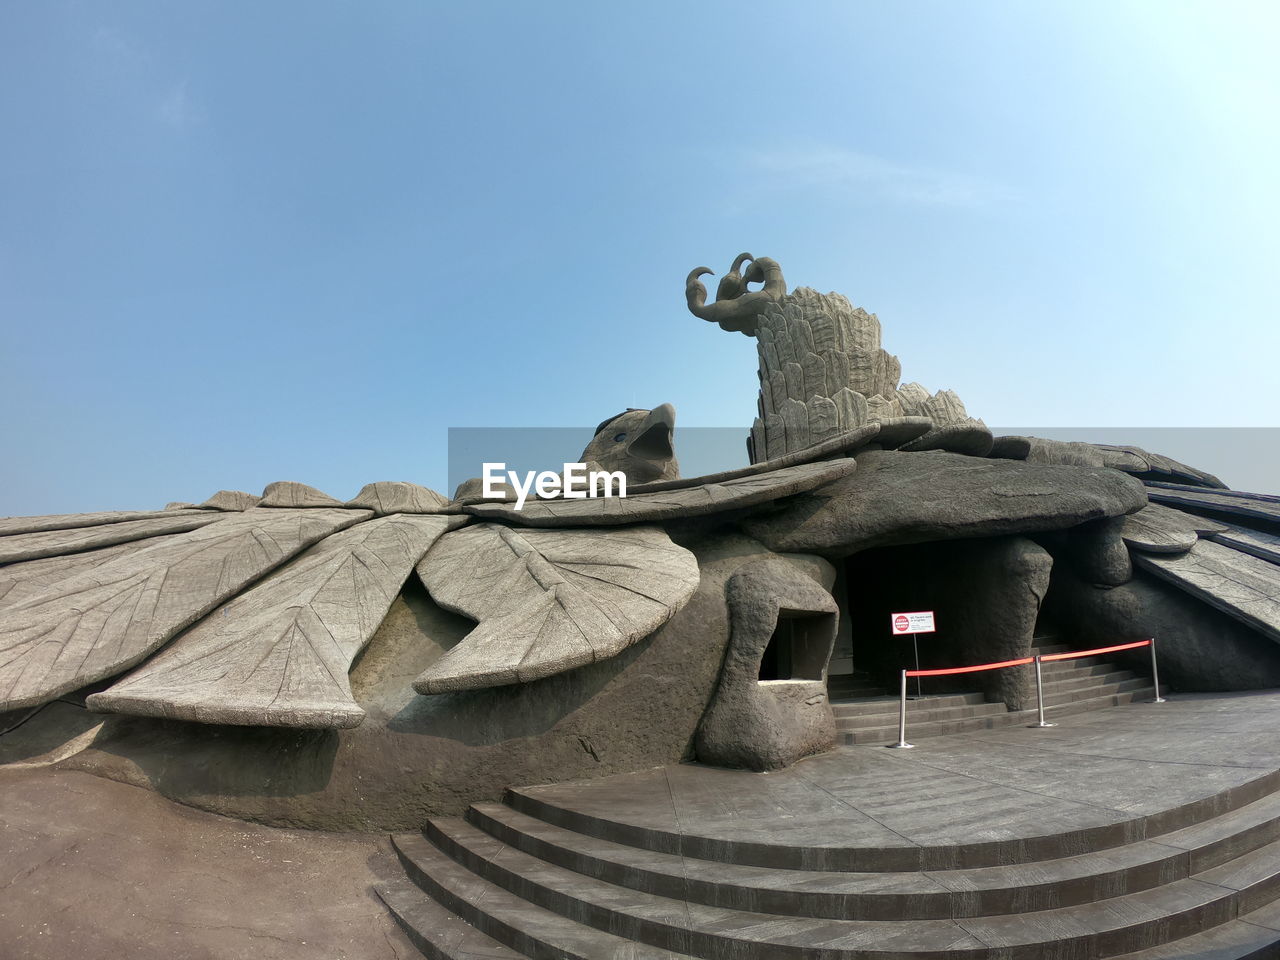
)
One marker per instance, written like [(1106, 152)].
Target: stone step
[(917, 713), (437, 933), (1251, 936), (851, 680), (1070, 667), (511, 920), (1100, 691), (1093, 679), (1056, 705), (889, 704), (1049, 647), (841, 693), (1110, 927), (679, 926), (1063, 682), (1103, 928), (1060, 675), (1012, 888), (909, 857)]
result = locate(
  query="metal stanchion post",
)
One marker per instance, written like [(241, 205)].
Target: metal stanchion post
[(902, 717), (1040, 696), (1155, 673)]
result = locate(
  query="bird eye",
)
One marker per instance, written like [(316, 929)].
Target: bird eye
[(619, 438)]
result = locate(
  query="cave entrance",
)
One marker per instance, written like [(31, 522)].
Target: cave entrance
[(889, 580), (985, 593)]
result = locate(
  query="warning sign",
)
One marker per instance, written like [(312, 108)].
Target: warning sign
[(920, 621)]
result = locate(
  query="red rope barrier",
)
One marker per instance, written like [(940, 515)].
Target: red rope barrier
[(1088, 653), (1017, 663), (981, 666)]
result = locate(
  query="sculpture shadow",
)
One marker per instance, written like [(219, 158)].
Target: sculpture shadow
[(37, 733), (182, 759), (496, 715)]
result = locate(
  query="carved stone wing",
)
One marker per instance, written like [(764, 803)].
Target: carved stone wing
[(68, 521), (106, 619), (1157, 529), (693, 501), (53, 543), (22, 581), (1249, 507), (1241, 585), (278, 655), (1265, 546), (550, 600)]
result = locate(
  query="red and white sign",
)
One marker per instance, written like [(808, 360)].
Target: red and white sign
[(919, 622)]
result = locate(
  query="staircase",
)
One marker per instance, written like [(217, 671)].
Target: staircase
[(1070, 686), (525, 878), (853, 686), (686, 861)]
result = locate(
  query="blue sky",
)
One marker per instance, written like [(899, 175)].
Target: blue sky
[(243, 243)]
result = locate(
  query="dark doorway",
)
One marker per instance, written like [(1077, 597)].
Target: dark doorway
[(799, 646)]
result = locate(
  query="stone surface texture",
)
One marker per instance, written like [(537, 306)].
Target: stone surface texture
[(1096, 550), (681, 503), (1065, 452), (279, 653), (30, 578), (842, 443), (1159, 529), (231, 501), (970, 437), (895, 431), (953, 428), (1230, 505), (767, 724), (897, 498), (293, 496), (1159, 467), (1132, 460), (1265, 546), (550, 600), (67, 521), (394, 496), (106, 619)]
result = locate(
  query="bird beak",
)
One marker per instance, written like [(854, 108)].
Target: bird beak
[(653, 439)]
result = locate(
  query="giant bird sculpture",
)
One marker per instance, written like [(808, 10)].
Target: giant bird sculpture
[(296, 658)]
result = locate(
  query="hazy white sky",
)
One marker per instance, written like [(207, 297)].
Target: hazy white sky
[(243, 243)]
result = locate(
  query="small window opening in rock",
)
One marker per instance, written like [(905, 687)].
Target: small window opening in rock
[(799, 646)]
